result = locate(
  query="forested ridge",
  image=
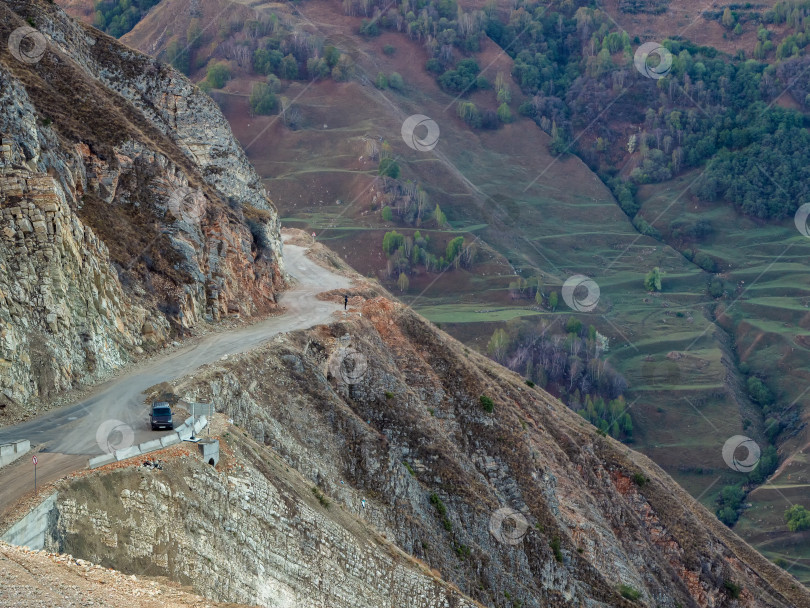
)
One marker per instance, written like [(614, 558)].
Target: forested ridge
[(571, 63), (573, 74)]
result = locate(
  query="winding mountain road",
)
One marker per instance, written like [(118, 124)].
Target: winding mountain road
[(67, 436)]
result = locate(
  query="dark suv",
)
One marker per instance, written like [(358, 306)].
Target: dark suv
[(161, 416)]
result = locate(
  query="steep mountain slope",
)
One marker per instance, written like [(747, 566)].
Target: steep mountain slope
[(735, 291), (522, 501), (130, 214), (436, 438)]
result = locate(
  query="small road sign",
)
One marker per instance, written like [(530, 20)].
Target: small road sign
[(34, 459)]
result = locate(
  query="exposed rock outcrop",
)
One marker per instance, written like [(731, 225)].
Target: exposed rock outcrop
[(252, 532), (41, 578), (58, 293), (382, 414), (130, 214)]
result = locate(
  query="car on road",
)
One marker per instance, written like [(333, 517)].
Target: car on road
[(161, 416)]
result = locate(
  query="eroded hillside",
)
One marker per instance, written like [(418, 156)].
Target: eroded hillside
[(379, 418), (731, 311), (130, 214)]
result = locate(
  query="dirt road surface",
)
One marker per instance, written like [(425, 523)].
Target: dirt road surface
[(62, 434)]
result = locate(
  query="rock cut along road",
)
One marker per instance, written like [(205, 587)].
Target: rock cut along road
[(68, 433)]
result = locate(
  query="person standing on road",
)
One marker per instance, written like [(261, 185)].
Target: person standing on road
[(345, 301)]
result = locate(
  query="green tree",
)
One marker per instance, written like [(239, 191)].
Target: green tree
[(382, 81), (117, 17), (553, 300), (504, 94), (504, 113), (392, 241), (387, 214), (274, 83), (262, 99), (403, 282), (177, 55), (469, 113), (498, 344), (317, 68), (728, 516), (797, 518), (454, 248), (288, 68), (396, 82), (729, 502), (389, 168), (717, 287), (266, 61), (728, 18), (558, 144), (439, 216), (194, 34), (652, 282), (343, 70), (99, 21), (331, 55), (758, 392), (462, 79), (626, 424), (218, 75)]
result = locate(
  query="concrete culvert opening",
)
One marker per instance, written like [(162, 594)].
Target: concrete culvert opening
[(209, 450)]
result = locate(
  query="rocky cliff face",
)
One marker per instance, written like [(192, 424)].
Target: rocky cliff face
[(251, 533), (130, 214), (58, 293), (523, 505)]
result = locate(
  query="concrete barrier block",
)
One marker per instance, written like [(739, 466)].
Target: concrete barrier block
[(9, 452), (36, 527), (202, 421), (168, 440), (100, 461), (189, 421), (150, 446), (127, 453), (184, 433)]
